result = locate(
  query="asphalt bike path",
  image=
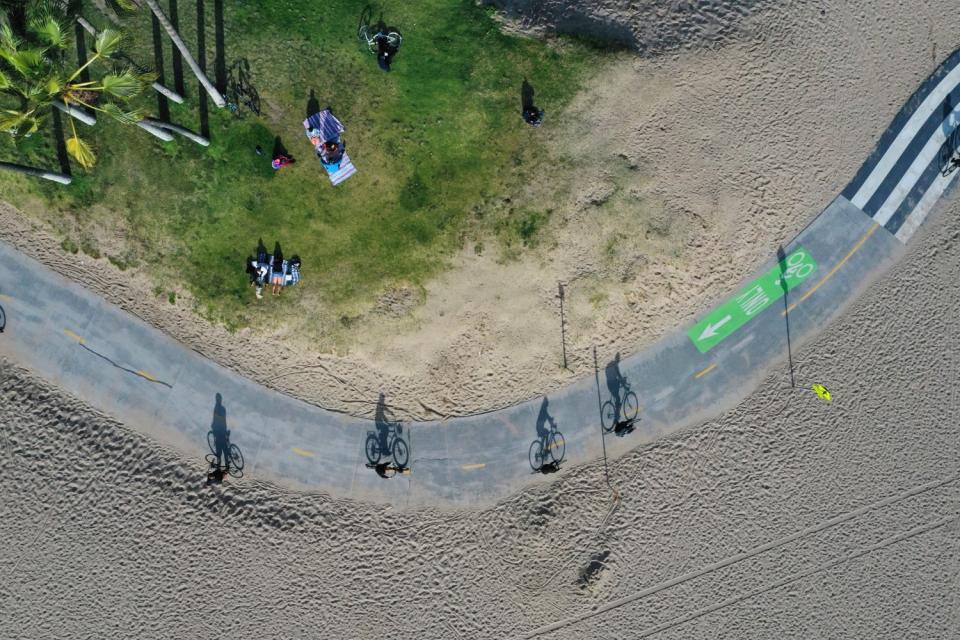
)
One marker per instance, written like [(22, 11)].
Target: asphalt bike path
[(126, 368)]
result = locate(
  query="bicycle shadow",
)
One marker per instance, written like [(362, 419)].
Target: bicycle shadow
[(547, 451), (3, 320), (618, 415), (388, 453), (224, 457)]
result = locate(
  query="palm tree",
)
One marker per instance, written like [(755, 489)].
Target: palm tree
[(35, 74), (185, 52)]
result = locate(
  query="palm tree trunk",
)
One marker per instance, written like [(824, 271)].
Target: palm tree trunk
[(178, 42), (154, 131), (186, 133), (175, 54), (37, 173), (74, 112)]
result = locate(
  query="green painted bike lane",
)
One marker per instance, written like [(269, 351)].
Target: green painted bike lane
[(724, 321)]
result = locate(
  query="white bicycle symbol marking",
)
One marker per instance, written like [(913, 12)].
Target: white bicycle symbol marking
[(796, 267)]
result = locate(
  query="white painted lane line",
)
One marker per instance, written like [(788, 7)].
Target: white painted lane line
[(743, 342), (917, 168), (896, 148), (663, 394), (919, 214)]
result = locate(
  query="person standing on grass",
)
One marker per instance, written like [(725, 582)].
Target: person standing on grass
[(277, 277)]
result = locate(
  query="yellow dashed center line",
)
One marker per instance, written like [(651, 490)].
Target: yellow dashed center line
[(706, 371), (303, 452), (856, 248), (71, 334), (5, 298), (470, 467), (144, 374)]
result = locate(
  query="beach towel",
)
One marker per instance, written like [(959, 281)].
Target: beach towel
[(345, 171), (293, 277), (326, 123), (324, 126)]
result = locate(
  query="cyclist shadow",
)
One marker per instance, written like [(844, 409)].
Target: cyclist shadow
[(386, 449), (547, 451), (618, 415), (224, 457)]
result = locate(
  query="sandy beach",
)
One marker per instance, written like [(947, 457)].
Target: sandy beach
[(785, 517)]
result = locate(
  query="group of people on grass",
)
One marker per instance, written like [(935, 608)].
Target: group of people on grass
[(272, 269)]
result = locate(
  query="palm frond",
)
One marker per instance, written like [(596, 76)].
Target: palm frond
[(26, 62), (8, 40), (124, 85), (107, 42), (126, 117), (50, 32), (81, 151), (19, 123)]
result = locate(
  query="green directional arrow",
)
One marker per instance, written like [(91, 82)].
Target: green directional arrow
[(754, 298)]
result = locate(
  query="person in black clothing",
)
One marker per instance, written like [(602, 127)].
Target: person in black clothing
[(532, 114), (276, 279), (386, 50)]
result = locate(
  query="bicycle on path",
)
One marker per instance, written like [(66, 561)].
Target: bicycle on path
[(620, 413), (387, 441), (548, 449), (234, 466)]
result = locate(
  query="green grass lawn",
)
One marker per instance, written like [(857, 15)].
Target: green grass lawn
[(434, 141)]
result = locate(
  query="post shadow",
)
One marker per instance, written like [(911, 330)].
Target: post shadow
[(603, 437), (548, 450), (313, 105), (163, 107), (386, 450), (63, 158), (782, 261), (80, 35), (175, 53), (202, 63), (220, 56)]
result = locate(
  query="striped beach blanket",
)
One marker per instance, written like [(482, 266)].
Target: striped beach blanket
[(326, 123), (345, 171), (907, 172), (330, 128)]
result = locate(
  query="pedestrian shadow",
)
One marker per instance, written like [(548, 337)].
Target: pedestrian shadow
[(618, 415), (547, 451), (280, 151), (313, 105), (224, 457), (532, 114), (388, 453)]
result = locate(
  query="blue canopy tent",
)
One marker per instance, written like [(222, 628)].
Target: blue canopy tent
[(323, 130)]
